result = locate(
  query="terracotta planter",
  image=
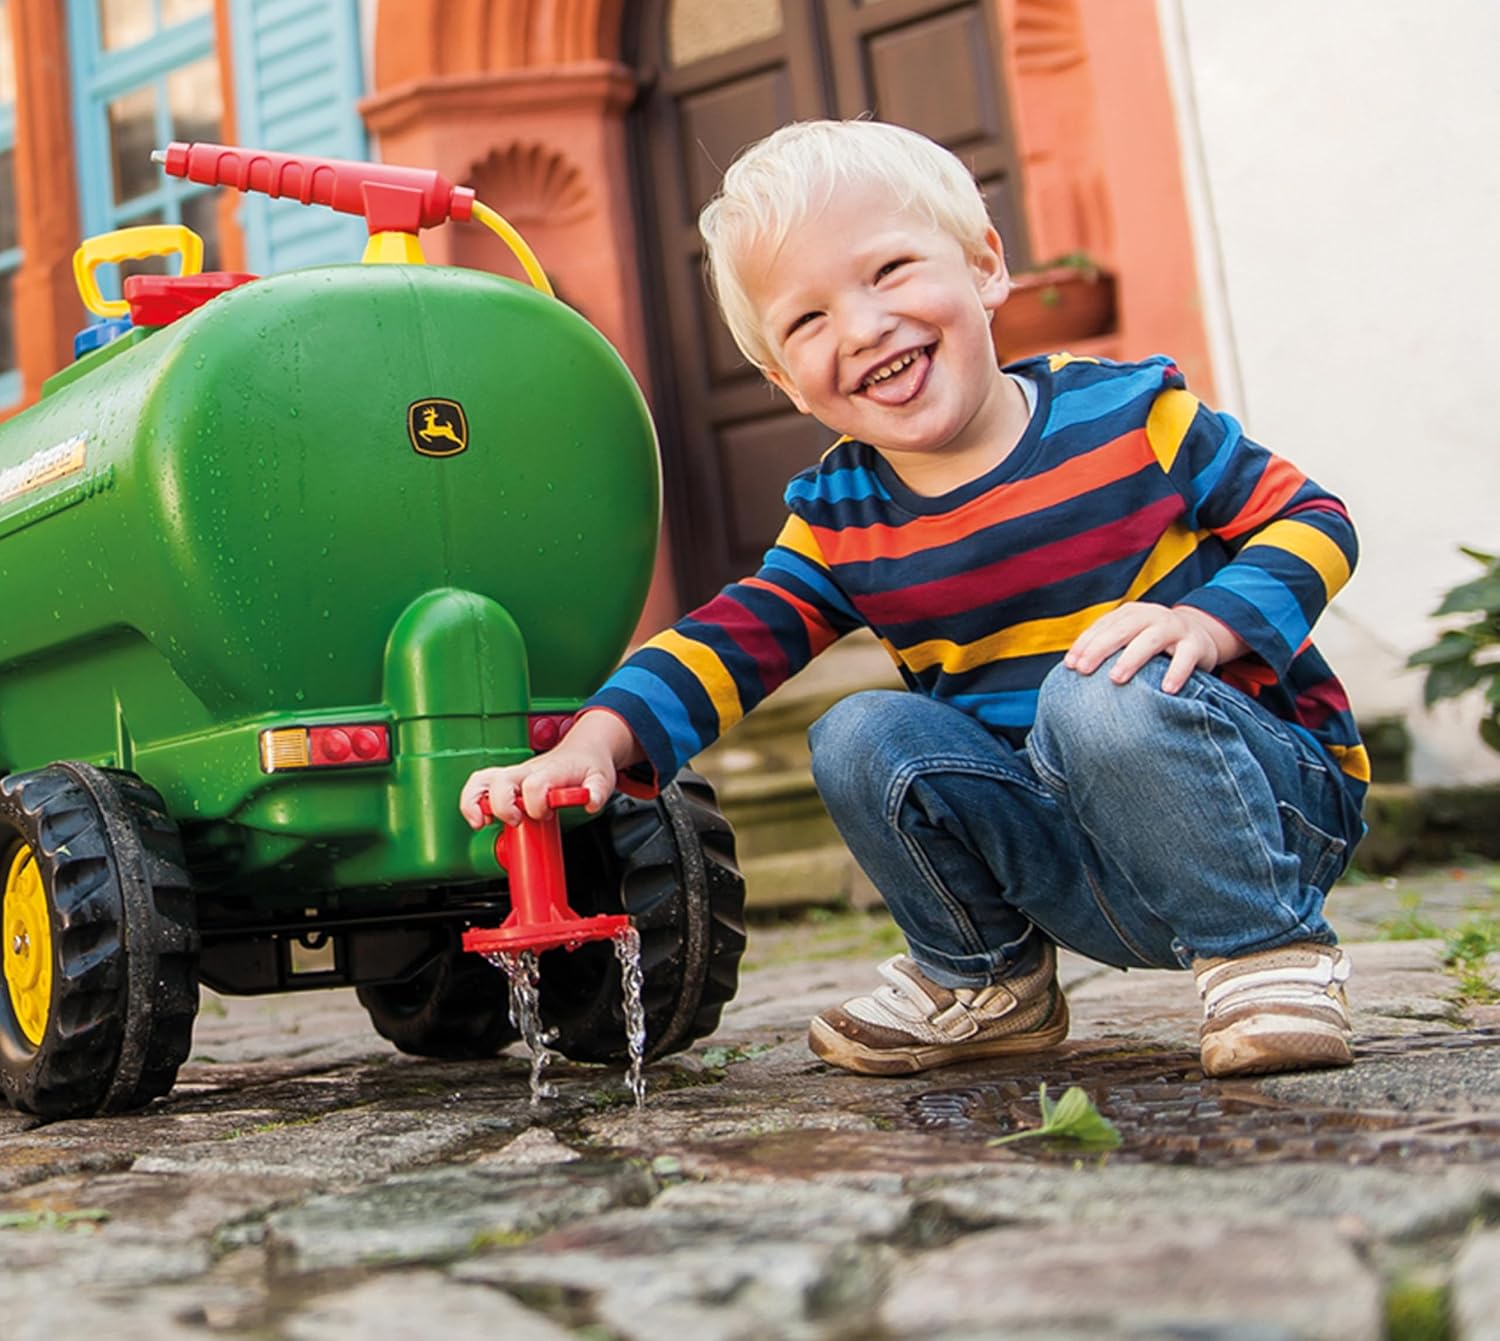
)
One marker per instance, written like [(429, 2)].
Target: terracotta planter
[(1051, 309)]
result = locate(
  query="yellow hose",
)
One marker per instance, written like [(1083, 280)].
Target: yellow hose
[(498, 225)]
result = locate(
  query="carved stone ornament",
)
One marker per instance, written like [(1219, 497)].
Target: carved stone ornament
[(534, 183)]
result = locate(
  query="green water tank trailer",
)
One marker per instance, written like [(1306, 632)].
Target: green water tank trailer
[(281, 565)]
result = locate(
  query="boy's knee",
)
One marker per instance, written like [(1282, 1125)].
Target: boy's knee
[(847, 728), (848, 741), (1092, 711)]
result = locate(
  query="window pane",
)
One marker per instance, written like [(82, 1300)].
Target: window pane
[(193, 96), (7, 57), (7, 325), (8, 238), (123, 23), (175, 11), (132, 135), (201, 214), (698, 29)]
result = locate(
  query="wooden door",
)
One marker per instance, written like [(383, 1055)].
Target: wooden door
[(719, 77)]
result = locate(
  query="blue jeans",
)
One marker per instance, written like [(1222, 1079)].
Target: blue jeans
[(1139, 828)]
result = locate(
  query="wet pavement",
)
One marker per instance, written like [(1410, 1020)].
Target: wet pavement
[(304, 1180)]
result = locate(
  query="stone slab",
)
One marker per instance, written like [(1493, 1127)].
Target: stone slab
[(1474, 1293), (1193, 1277), (445, 1214), (418, 1306), (1363, 1204)]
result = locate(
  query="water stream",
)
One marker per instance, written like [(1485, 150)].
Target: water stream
[(628, 952), (526, 1014)]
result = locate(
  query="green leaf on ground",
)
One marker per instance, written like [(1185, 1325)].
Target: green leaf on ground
[(1071, 1118)]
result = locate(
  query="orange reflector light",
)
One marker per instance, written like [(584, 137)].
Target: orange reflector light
[(284, 747), (352, 745)]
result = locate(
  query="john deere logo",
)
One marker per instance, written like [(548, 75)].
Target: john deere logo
[(437, 427)]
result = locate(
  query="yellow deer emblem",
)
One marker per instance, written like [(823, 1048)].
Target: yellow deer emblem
[(437, 427)]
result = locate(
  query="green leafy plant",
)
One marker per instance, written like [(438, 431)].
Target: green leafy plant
[(1079, 261), (1468, 950), (1071, 1118), (68, 1220), (1071, 260), (1468, 657), (1416, 1310), (718, 1058), (1410, 924)]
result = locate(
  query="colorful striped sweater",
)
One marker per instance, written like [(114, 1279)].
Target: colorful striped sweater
[(1123, 488)]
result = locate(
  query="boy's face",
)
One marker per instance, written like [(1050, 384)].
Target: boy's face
[(881, 325)]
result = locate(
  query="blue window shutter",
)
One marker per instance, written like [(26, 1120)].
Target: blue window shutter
[(296, 77)]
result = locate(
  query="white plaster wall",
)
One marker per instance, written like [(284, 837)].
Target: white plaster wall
[(1343, 162)]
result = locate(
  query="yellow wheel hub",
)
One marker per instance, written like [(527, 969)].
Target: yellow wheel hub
[(26, 955)]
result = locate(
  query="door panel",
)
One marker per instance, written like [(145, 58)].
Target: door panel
[(756, 458), (714, 121)]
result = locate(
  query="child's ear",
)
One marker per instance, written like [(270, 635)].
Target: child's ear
[(779, 379), (991, 277)]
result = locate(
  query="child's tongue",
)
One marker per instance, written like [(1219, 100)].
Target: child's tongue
[(902, 386)]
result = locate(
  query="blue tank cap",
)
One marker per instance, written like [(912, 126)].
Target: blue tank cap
[(98, 334)]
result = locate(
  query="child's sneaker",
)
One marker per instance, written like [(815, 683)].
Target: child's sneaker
[(911, 1024), (1276, 1010)]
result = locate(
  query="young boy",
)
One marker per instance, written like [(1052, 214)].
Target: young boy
[(1118, 737)]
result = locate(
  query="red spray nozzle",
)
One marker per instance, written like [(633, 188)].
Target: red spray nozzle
[(540, 918), (391, 199)]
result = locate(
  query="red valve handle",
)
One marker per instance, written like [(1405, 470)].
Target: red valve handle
[(540, 918), (392, 199), (557, 798)]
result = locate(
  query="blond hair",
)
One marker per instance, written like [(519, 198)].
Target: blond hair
[(779, 181)]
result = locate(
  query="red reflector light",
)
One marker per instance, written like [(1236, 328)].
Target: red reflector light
[(545, 729), (345, 746)]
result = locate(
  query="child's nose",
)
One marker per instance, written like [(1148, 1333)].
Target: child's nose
[(864, 323)]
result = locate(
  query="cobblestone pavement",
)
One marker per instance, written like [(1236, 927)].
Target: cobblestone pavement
[(306, 1181)]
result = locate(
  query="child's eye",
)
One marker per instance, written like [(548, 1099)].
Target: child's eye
[(890, 266), (801, 321)]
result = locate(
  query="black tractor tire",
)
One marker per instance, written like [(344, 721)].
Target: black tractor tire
[(116, 912), (456, 1008), (670, 864)]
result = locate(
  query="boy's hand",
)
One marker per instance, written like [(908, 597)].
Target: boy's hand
[(1193, 640), (590, 755)]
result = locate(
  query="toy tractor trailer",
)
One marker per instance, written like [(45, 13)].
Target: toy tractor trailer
[(280, 569)]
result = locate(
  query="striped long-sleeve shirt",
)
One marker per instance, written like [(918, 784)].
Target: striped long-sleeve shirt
[(1123, 488)]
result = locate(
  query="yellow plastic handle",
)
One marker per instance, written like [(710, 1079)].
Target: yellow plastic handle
[(131, 244)]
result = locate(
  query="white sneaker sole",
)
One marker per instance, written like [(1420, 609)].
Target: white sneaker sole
[(1259, 1046), (834, 1048)]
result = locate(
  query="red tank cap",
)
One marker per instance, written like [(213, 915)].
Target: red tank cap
[(158, 300)]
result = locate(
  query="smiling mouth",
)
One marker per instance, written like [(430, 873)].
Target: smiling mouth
[(886, 371)]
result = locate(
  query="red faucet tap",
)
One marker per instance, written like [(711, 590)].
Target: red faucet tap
[(540, 917), (390, 198)]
